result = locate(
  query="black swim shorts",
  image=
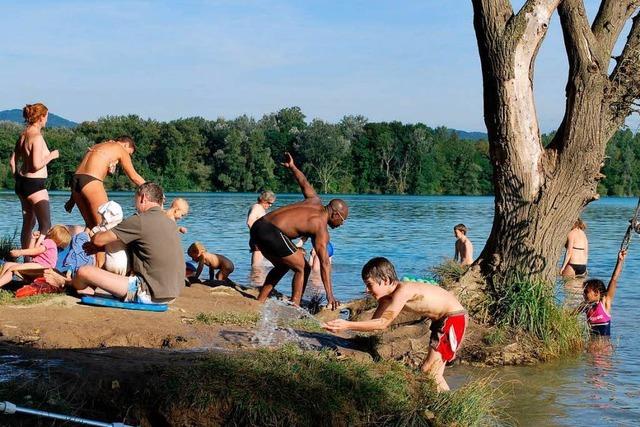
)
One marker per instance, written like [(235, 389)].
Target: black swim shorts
[(270, 240)]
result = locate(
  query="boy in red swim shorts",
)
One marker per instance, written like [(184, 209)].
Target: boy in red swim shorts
[(448, 318)]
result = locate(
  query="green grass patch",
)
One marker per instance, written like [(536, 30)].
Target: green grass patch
[(8, 298), (448, 271), (228, 318), (531, 306), (294, 387), (305, 324), (288, 386)]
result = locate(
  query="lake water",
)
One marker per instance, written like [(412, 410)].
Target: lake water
[(600, 387)]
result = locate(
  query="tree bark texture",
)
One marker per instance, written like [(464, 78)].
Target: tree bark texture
[(540, 191)]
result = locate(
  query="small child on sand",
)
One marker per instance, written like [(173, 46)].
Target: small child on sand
[(448, 317), (464, 247), (598, 300), (179, 208), (199, 254), (44, 253), (116, 259)]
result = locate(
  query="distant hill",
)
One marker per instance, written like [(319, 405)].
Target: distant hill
[(470, 135), (53, 122)]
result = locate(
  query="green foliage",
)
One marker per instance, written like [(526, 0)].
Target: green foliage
[(352, 156), (531, 306), (243, 154)]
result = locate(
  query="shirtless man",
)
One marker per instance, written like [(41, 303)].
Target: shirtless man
[(257, 211), (448, 317), (464, 247), (273, 234)]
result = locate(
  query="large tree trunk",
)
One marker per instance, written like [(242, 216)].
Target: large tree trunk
[(540, 191)]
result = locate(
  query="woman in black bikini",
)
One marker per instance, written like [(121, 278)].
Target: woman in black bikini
[(577, 256), (29, 167), (87, 187)]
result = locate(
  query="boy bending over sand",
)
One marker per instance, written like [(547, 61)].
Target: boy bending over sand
[(448, 317)]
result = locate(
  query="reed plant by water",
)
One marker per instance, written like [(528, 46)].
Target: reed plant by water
[(531, 306), (448, 271), (7, 243)]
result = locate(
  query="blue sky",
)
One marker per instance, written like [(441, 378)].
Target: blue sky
[(414, 61)]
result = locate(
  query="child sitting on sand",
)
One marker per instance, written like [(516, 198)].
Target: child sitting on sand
[(448, 317), (44, 254), (199, 254), (598, 300), (179, 208), (116, 259)]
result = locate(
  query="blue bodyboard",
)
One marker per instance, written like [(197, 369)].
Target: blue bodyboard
[(114, 303)]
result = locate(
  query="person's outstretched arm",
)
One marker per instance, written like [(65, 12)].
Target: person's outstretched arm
[(388, 309), (613, 283), (200, 267), (320, 248), (307, 189), (129, 170)]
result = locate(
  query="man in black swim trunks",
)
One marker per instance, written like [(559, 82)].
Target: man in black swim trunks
[(309, 218)]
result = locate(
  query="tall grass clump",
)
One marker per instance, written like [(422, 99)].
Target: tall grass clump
[(287, 386), (7, 243), (448, 271), (531, 306), (290, 386)]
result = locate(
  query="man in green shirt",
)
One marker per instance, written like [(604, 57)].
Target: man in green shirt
[(154, 243)]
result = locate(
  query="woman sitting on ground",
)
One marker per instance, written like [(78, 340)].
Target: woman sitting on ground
[(577, 256), (87, 187), (28, 163)]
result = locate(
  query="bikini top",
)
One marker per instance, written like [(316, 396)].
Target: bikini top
[(597, 315), (112, 164), (578, 249)]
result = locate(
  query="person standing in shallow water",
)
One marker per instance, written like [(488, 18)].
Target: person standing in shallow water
[(28, 164), (577, 255), (309, 218), (464, 247), (257, 211)]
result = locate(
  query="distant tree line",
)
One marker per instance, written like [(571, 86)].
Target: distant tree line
[(352, 156)]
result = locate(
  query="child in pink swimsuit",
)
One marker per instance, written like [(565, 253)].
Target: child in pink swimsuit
[(598, 300), (45, 253)]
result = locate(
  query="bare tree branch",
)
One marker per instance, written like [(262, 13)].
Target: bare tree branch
[(610, 20), (625, 79), (580, 43)]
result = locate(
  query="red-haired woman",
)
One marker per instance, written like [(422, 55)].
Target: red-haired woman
[(28, 163)]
